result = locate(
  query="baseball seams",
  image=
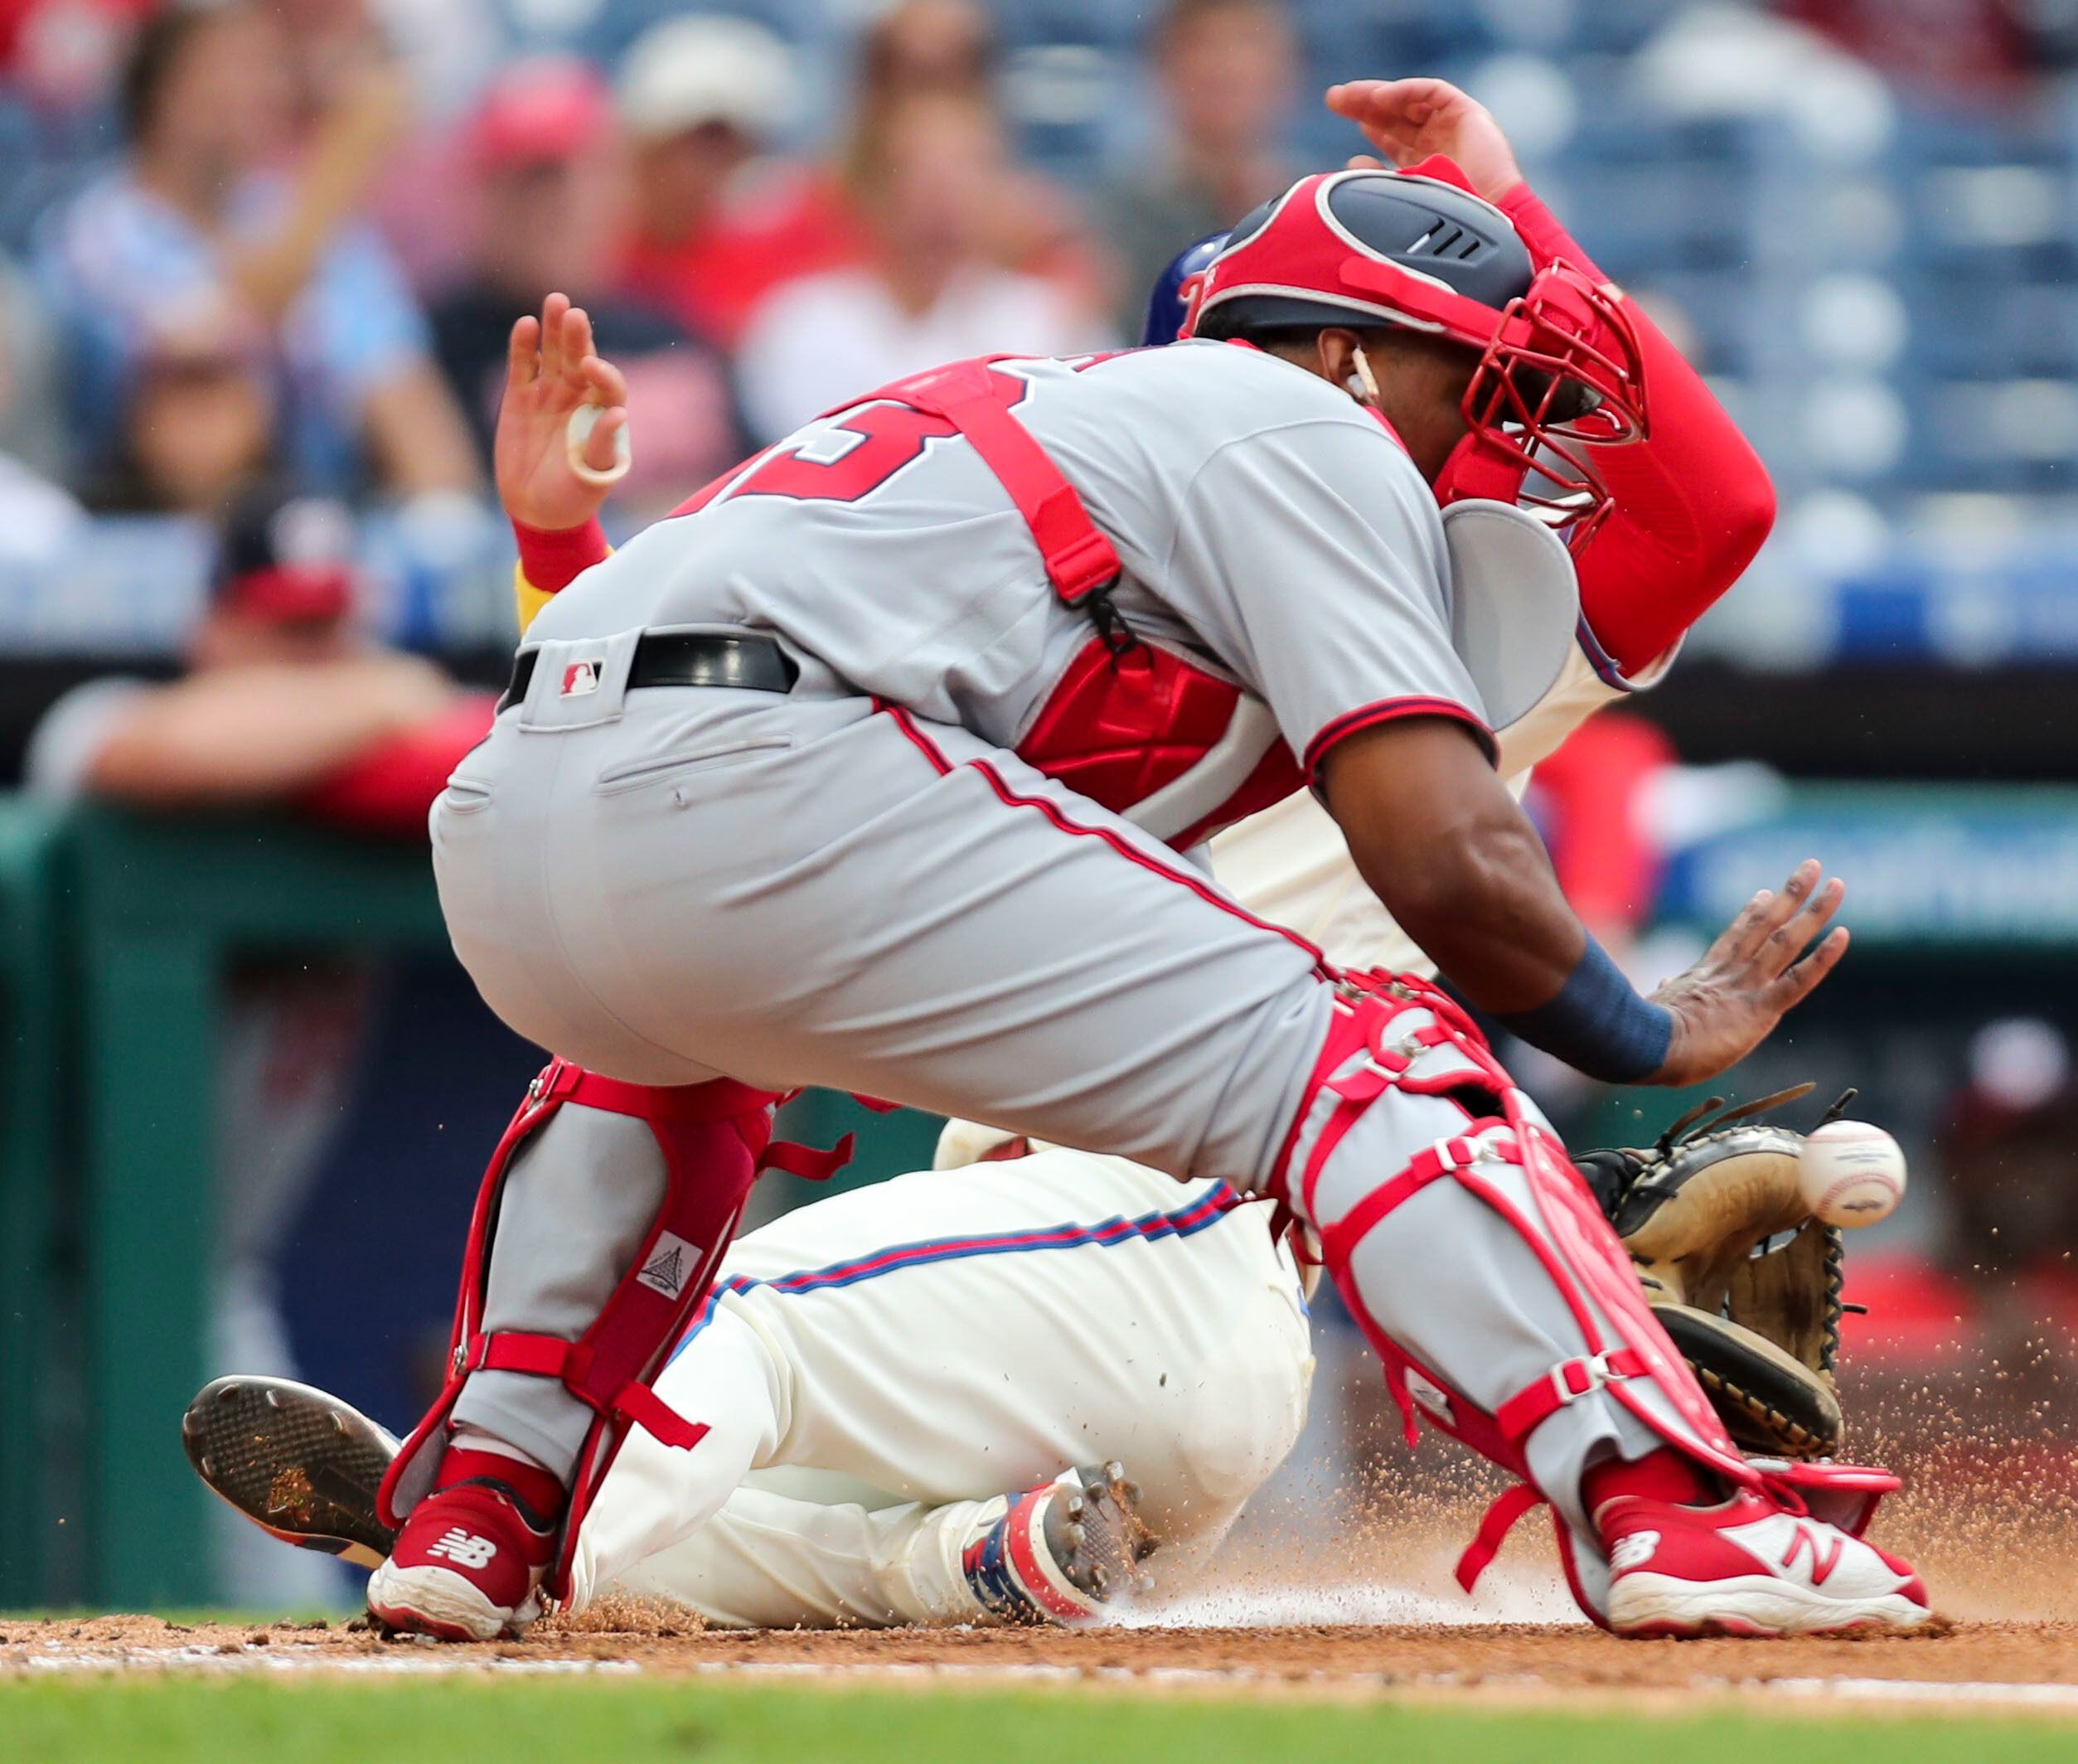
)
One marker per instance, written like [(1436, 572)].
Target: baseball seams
[(1851, 1174)]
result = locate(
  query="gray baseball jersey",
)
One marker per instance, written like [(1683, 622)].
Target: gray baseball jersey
[(1274, 534), (924, 899)]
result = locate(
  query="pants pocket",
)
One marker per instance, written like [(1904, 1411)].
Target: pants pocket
[(463, 796), (664, 768)]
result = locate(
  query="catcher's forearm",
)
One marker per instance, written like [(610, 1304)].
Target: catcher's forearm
[(1454, 859)]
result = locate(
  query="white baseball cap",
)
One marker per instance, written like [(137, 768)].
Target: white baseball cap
[(705, 68)]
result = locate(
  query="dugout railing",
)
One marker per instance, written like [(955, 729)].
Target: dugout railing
[(31, 1108), (129, 924)]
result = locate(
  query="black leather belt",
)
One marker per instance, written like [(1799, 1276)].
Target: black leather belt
[(750, 660)]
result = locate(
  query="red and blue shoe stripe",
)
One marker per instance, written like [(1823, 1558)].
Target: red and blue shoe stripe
[(1003, 1567)]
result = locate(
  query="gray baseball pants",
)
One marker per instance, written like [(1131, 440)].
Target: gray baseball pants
[(671, 884)]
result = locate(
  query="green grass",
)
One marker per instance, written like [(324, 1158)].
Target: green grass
[(457, 1721)]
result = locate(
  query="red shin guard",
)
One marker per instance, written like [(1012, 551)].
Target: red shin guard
[(1372, 1049), (714, 1138)]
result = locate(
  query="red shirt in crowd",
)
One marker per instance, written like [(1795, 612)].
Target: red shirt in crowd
[(795, 222), (388, 789)]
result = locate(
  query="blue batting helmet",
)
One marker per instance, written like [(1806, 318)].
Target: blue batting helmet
[(1166, 306)]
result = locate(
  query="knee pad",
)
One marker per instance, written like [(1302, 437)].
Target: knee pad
[(715, 1139)]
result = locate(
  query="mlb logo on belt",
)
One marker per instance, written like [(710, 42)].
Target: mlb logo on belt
[(579, 678)]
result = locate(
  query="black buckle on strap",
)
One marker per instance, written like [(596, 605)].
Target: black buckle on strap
[(1112, 631)]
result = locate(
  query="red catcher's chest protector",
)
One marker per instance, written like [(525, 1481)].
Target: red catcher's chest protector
[(1178, 750)]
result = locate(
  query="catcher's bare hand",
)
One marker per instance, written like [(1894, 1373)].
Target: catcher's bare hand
[(551, 369), (1408, 119), (1729, 1002)]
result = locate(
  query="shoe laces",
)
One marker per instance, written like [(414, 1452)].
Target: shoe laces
[(1786, 1496)]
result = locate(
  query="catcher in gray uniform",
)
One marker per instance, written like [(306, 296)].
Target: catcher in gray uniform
[(873, 767)]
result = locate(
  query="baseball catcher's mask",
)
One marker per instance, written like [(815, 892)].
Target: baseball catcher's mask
[(1562, 376), (1558, 366)]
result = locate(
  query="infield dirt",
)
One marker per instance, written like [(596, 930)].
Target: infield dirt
[(1338, 1582)]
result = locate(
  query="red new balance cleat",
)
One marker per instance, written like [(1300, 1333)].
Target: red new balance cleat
[(1748, 1566), (469, 1560)]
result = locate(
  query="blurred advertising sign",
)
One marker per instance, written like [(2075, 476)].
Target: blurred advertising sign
[(1924, 864)]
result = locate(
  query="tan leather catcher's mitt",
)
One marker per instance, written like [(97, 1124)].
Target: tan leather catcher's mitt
[(1746, 1282)]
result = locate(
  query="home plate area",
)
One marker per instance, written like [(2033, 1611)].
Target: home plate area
[(2031, 1667), (1337, 1585)]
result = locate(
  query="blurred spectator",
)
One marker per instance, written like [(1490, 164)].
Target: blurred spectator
[(38, 517), (283, 702), (542, 150), (198, 422), (929, 46), (715, 223), (950, 45), (448, 49), (447, 52), (196, 227), (1944, 46), (928, 292), (1228, 71), (2006, 1152), (331, 44), (1708, 62), (63, 54)]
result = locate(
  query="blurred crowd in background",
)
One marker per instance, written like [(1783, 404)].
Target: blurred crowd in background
[(259, 259), (285, 237)]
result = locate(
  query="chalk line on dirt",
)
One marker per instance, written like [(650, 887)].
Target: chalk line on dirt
[(1501, 1600), (410, 1662)]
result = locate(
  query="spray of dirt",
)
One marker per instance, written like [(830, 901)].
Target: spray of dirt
[(1370, 1531), (654, 1618)]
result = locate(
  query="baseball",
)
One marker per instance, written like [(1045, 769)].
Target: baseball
[(1851, 1174), (578, 430)]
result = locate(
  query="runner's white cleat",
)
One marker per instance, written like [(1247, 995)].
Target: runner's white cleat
[(1063, 1551)]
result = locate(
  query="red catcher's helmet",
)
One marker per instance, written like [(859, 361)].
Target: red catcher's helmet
[(1558, 370)]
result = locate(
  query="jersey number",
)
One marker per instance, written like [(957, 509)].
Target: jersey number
[(848, 460)]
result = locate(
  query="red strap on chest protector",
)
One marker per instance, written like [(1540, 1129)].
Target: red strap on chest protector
[(1079, 559), (1129, 717)]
